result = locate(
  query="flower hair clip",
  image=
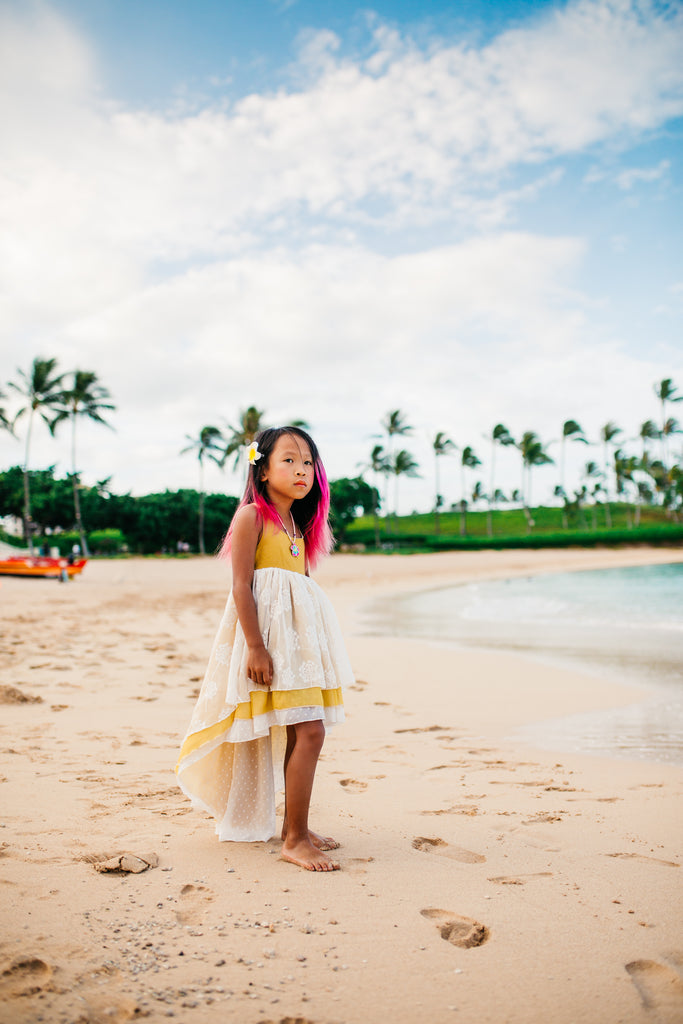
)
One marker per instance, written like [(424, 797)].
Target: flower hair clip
[(253, 454)]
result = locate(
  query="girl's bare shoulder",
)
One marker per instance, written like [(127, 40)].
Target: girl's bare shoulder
[(247, 519)]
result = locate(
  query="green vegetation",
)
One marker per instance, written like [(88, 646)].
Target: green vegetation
[(418, 532), (144, 525), (632, 497)]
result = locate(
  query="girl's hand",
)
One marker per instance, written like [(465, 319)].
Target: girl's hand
[(260, 666)]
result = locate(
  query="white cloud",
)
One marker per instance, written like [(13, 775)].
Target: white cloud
[(460, 337), (629, 177), (203, 262), (423, 136)]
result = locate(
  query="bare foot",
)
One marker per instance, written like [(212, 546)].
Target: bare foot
[(306, 855), (320, 842)]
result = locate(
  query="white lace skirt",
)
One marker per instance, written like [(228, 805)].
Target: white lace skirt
[(231, 759)]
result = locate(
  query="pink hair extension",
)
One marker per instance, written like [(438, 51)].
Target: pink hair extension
[(318, 536), (317, 533)]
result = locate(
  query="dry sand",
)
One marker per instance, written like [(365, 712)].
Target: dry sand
[(482, 880)]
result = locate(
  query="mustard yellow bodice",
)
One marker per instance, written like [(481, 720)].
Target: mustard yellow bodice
[(273, 551)]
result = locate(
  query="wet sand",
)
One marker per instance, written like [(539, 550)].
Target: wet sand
[(483, 879)]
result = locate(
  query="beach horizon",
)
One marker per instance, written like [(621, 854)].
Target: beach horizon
[(483, 877)]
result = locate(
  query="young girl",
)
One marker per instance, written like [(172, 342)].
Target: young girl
[(278, 663)]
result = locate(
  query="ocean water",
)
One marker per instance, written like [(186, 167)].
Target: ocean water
[(625, 624)]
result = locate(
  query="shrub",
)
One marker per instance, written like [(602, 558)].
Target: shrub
[(106, 542)]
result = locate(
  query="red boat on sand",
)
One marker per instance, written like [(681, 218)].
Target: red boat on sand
[(41, 566)]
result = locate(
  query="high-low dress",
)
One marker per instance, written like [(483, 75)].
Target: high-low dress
[(231, 761)]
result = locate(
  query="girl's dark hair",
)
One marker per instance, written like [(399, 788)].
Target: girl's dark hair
[(310, 513)]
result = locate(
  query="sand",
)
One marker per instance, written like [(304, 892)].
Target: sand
[(482, 880)]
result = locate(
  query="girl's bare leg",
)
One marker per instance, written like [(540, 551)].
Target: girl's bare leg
[(300, 765), (322, 842)]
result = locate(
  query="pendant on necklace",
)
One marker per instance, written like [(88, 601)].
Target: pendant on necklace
[(293, 546)]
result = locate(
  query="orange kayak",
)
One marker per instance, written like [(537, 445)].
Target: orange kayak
[(49, 568)]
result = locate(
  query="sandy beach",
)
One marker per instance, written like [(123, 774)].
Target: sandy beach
[(482, 879)]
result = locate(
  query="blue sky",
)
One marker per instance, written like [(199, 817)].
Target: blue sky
[(151, 50), (470, 211)]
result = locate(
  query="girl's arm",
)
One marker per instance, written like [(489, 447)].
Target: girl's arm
[(245, 536)]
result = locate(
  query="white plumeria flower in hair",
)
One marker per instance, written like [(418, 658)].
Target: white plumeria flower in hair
[(253, 454)]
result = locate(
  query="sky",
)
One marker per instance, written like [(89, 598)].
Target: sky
[(469, 211)]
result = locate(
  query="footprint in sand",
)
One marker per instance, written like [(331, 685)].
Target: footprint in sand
[(519, 879), (458, 930), (468, 809), (353, 785), (25, 976), (641, 856), (425, 728), (112, 1008), (440, 846), (193, 900), (13, 695), (660, 987), (288, 1020), (355, 865)]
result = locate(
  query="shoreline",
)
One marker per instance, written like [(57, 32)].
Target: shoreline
[(478, 871), (631, 655)]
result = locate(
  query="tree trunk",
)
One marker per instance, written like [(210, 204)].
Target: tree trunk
[(492, 490), (202, 550), (77, 513), (76, 485), (28, 532)]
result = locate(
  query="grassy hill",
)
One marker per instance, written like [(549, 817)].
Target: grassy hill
[(510, 529)]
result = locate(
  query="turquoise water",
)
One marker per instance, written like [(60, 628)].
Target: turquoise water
[(626, 624)]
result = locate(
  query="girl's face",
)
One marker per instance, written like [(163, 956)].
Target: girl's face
[(289, 472)]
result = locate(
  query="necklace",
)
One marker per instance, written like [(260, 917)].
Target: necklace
[(293, 547)]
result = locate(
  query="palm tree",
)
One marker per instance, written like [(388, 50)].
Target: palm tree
[(624, 468), (478, 493), (531, 450), (535, 456), (594, 474), (607, 435), (4, 422), (85, 398), (442, 445), (468, 460), (394, 425), (403, 464), (502, 436), (571, 430), (657, 472), (579, 498), (41, 387), (666, 392), (378, 466), (671, 427), (648, 432), (207, 444), (243, 434)]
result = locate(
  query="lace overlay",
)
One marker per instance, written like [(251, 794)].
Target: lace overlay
[(231, 760)]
